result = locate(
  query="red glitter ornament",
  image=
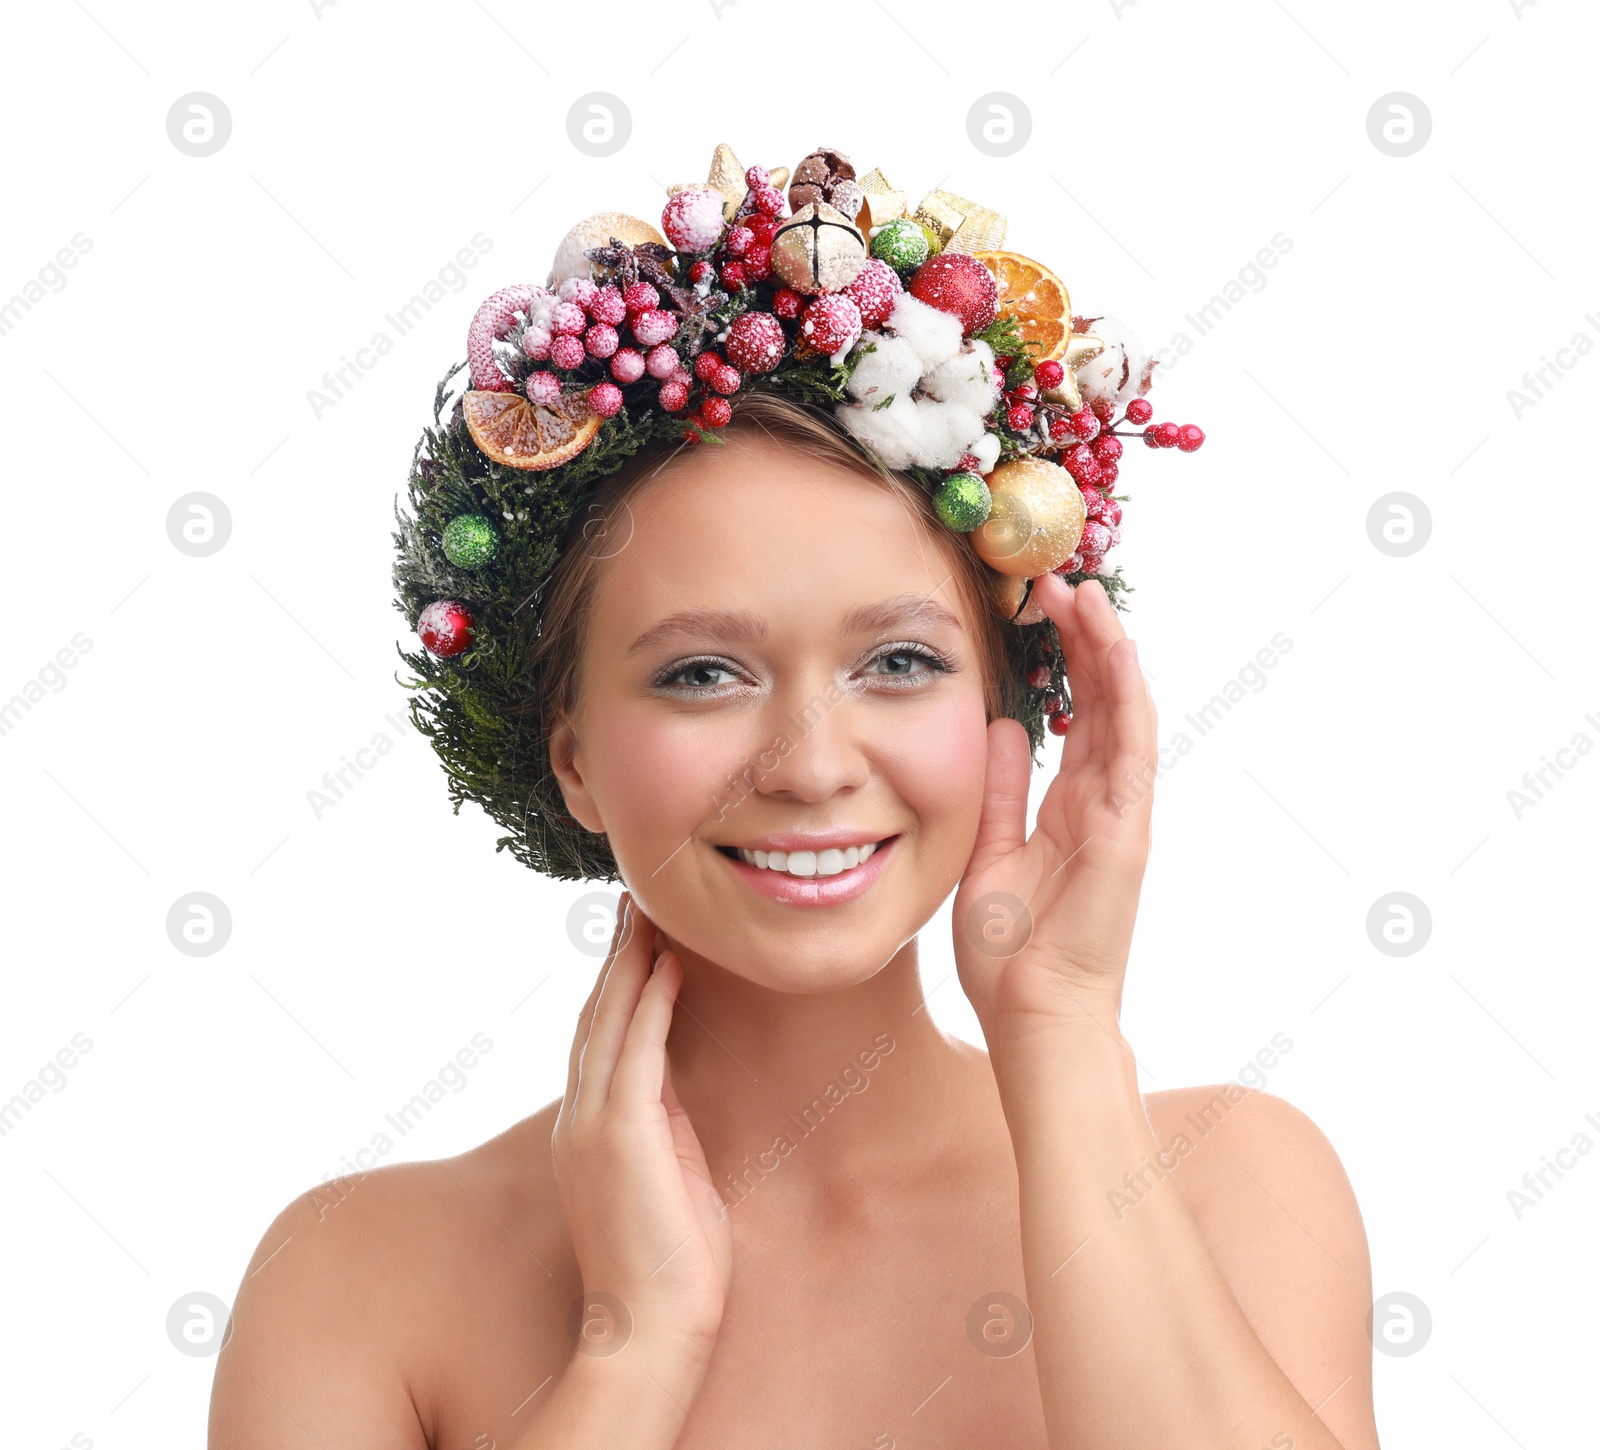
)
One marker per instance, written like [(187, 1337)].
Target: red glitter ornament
[(831, 322), (567, 351), (445, 628), (605, 399), (608, 306), (755, 342), (874, 291), (640, 297), (958, 283), (627, 364)]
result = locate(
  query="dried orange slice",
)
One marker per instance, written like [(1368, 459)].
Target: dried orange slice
[(520, 434), (1036, 297)]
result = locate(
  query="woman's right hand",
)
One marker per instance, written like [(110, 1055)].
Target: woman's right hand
[(647, 1224)]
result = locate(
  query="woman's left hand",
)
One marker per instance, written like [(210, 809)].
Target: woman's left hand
[(1043, 923)]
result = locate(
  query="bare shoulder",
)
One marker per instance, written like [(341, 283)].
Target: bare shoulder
[(350, 1313), (1280, 1217)]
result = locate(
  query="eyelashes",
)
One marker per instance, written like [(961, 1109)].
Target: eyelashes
[(935, 663)]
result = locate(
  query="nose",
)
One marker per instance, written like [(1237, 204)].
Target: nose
[(818, 746)]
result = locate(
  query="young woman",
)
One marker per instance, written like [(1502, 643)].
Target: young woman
[(776, 1206)]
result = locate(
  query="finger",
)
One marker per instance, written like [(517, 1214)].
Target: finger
[(619, 998), (636, 1083), (1130, 744), (1003, 821), (1069, 607), (1102, 628), (586, 1012)]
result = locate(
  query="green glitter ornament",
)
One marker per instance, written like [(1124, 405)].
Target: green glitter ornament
[(963, 502), (470, 541), (902, 243)]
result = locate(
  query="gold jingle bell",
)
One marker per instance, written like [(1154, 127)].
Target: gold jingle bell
[(1013, 599), (1036, 518)]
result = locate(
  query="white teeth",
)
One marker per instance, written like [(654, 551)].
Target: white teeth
[(809, 863)]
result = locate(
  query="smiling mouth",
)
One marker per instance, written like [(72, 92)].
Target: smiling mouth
[(808, 865)]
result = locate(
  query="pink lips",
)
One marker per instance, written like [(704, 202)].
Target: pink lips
[(819, 890)]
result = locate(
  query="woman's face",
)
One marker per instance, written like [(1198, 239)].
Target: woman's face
[(780, 648)]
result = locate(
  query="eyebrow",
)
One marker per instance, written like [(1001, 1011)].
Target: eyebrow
[(899, 609)]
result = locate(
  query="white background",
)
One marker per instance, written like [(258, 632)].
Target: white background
[(1169, 143)]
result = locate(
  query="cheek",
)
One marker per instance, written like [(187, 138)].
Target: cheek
[(655, 778), (941, 756)]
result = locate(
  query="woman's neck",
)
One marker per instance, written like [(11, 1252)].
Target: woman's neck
[(819, 1088)]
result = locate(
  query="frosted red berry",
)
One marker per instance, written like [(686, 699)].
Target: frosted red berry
[(1107, 448), (708, 364), (1049, 373), (786, 303), (755, 342), (726, 380), (608, 306), (1058, 722), (600, 340), (716, 412), (605, 399), (674, 396), (1039, 676), (1084, 423), (1019, 417), (735, 276), (1190, 437), (1060, 429), (640, 297), (627, 364), (769, 200), (566, 351), (661, 361), (1140, 411)]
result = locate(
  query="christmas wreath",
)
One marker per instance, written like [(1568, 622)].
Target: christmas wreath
[(943, 356)]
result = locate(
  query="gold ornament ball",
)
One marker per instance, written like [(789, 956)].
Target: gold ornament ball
[(597, 231), (818, 249), (1035, 519)]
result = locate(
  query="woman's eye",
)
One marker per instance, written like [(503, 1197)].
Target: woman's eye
[(700, 677), (692, 675)]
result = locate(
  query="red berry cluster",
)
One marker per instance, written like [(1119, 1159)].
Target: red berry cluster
[(1039, 674)]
